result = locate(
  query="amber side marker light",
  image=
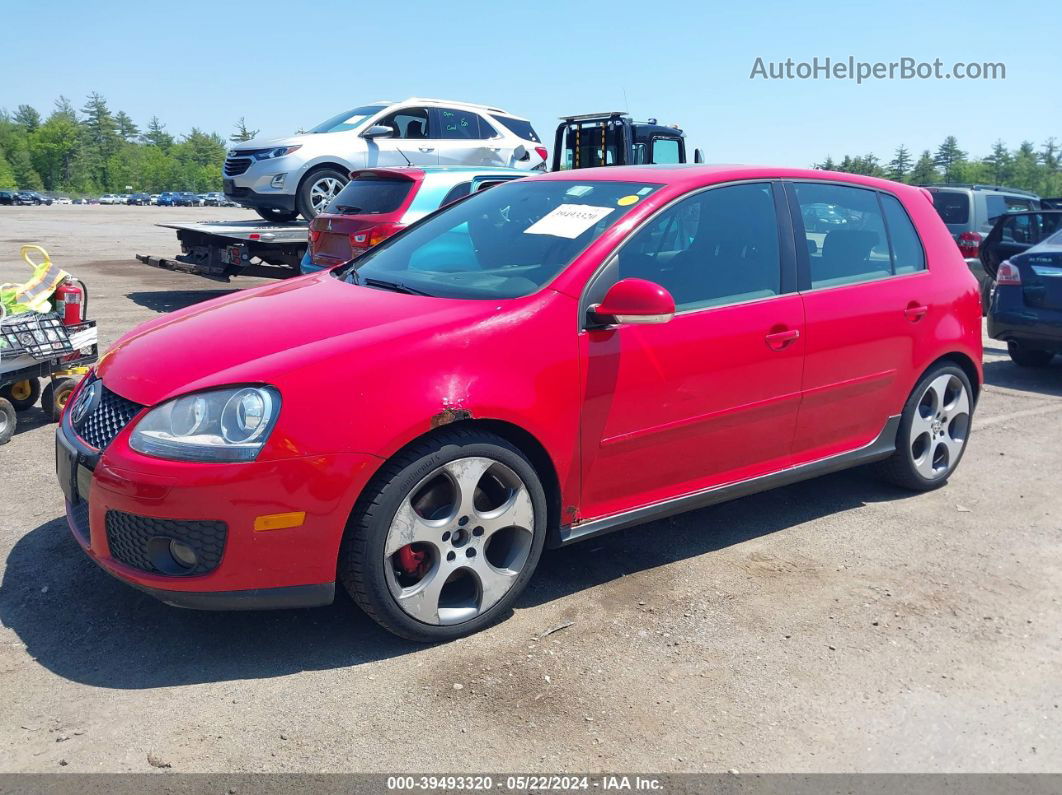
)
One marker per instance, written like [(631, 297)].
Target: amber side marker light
[(279, 521)]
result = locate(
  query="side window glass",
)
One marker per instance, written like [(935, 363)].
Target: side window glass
[(907, 253), (408, 123), (459, 124), (665, 150), (845, 234), (456, 192), (1018, 229), (715, 248)]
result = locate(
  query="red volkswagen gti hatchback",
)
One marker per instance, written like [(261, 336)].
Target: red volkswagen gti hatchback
[(534, 365)]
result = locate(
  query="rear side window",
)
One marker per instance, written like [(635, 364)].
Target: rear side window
[(907, 253), (953, 208), (462, 124), (518, 127), (458, 191), (849, 244), (997, 205), (369, 194)]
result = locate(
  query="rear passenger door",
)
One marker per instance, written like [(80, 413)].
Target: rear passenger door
[(466, 139), (867, 303)]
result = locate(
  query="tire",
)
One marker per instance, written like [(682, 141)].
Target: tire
[(934, 430), (317, 189), (473, 564), (276, 216), (56, 393), (22, 394), (8, 420), (1028, 357)]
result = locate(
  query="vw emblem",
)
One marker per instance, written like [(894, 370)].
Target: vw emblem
[(85, 402)]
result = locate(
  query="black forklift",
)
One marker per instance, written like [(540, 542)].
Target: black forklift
[(615, 139)]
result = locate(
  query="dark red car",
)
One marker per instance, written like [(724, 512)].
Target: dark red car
[(540, 363)]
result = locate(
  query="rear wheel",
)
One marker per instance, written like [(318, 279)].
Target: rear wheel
[(934, 429), (8, 420), (446, 537), (56, 393), (1028, 357), (22, 394), (317, 190), (276, 216)]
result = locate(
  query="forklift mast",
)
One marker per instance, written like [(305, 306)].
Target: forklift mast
[(614, 139)]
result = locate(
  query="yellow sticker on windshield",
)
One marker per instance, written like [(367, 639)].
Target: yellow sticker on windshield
[(627, 200)]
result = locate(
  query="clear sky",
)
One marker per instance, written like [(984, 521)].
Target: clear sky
[(285, 65)]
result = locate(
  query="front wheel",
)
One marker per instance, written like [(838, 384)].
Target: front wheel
[(317, 190), (446, 536), (276, 216), (934, 430)]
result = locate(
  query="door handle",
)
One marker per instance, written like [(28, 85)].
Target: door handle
[(426, 148), (915, 311), (495, 148), (781, 339)]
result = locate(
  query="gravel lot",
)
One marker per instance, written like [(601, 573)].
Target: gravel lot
[(834, 625)]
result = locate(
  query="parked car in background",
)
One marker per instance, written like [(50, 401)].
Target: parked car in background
[(33, 197), (154, 198), (63, 200), (540, 363), (168, 199), (282, 178), (213, 199), (138, 199), (1026, 307), (8, 197), (378, 202), (969, 211), (188, 199), (108, 198)]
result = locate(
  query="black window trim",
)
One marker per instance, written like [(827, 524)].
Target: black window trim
[(803, 257), (605, 276), (681, 147)]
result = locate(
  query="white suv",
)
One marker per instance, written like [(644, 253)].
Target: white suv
[(285, 177)]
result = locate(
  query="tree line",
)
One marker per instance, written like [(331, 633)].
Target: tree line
[(97, 150), (1027, 168)]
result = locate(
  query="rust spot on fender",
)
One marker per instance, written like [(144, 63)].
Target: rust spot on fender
[(448, 415)]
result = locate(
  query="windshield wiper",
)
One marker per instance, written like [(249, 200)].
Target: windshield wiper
[(383, 284)]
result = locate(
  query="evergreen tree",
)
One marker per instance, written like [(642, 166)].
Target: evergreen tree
[(26, 177), (156, 134), (7, 176), (127, 130), (900, 164), (65, 108), (924, 172), (948, 156), (1049, 156), (28, 118), (242, 133), (999, 163)]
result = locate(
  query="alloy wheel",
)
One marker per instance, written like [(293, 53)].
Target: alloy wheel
[(940, 427), (323, 191), (459, 541)]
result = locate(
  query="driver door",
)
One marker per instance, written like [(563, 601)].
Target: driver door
[(411, 144)]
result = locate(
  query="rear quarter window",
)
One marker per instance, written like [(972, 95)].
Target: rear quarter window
[(907, 253), (518, 127), (953, 208)]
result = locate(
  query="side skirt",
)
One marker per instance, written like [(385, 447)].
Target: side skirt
[(882, 447)]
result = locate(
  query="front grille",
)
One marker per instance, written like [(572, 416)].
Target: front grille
[(142, 542), (235, 166), (112, 413)]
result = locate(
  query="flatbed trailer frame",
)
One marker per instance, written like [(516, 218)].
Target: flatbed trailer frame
[(219, 250)]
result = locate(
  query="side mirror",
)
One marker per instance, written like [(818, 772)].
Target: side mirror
[(635, 301), (698, 156), (378, 131)]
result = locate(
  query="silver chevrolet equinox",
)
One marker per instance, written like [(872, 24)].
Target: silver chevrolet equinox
[(282, 178)]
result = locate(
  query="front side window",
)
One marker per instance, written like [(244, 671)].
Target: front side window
[(849, 245), (505, 242), (666, 151), (717, 247), (461, 124), (408, 123)]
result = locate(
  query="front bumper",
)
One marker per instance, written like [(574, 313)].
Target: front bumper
[(254, 569), (267, 201)]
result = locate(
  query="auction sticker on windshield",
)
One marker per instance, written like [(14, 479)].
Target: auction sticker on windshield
[(568, 220)]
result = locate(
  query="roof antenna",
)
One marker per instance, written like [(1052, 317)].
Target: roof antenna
[(625, 102), (408, 161)]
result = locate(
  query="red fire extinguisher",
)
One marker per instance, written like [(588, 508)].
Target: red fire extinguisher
[(70, 300)]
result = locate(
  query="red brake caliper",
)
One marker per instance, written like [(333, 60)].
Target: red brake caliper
[(413, 562)]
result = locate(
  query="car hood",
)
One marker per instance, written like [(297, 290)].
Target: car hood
[(271, 143), (255, 335)]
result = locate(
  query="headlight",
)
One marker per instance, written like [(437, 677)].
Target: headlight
[(221, 425), (267, 154)]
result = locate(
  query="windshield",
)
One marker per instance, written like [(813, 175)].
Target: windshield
[(506, 242), (347, 120)]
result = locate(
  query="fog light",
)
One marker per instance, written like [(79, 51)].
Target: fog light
[(278, 181), (183, 554)]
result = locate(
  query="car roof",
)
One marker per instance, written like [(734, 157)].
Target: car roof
[(692, 175)]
